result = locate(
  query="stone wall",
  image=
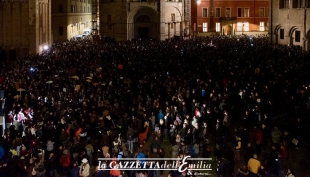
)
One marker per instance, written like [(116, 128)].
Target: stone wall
[(25, 26), (291, 20)]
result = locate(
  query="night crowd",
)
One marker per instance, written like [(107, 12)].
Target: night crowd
[(206, 97)]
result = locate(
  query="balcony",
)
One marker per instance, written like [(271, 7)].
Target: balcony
[(228, 18)]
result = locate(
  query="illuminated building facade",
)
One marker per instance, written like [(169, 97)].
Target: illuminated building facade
[(229, 17)]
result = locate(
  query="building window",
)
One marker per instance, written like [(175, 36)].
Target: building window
[(297, 36), (60, 8), (88, 9), (261, 26), (307, 3), (204, 27), (239, 26), (267, 11), (72, 8), (297, 3), (171, 25), (218, 27), (246, 12), (217, 12), (195, 27), (239, 12), (204, 12), (284, 4), (261, 12), (60, 31), (227, 13), (281, 33), (281, 4), (287, 4), (246, 26), (173, 17)]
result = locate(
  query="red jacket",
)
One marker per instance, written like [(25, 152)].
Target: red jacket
[(258, 137), (9, 118), (283, 153), (65, 160)]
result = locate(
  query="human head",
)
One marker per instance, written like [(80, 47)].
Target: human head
[(255, 156), (84, 161), (289, 170)]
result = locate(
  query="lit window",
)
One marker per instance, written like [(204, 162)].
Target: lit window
[(246, 12), (218, 27), (239, 26), (261, 26), (204, 27), (246, 26)]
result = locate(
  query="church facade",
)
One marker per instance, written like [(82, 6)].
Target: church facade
[(153, 19)]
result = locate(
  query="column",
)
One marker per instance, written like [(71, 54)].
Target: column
[(132, 30), (175, 28), (168, 30)]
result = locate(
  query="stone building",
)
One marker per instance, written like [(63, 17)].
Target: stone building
[(230, 17), (70, 18), (25, 27), (290, 22), (155, 19)]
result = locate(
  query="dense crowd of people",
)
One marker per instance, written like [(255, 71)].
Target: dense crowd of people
[(81, 100)]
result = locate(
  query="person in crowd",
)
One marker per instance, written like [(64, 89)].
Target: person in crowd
[(65, 161), (237, 147), (289, 172), (84, 168), (276, 135), (89, 152), (52, 165), (75, 171), (243, 171), (2, 152), (254, 166)]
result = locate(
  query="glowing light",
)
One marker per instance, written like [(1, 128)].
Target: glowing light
[(198, 2), (45, 47)]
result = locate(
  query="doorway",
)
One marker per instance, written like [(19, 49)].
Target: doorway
[(12, 54), (143, 32)]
